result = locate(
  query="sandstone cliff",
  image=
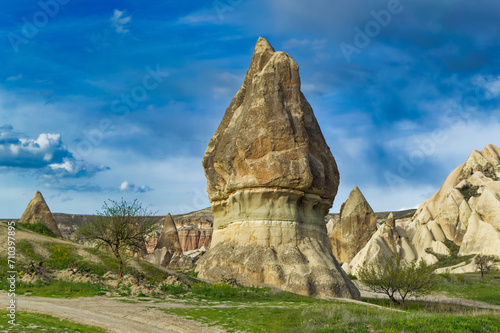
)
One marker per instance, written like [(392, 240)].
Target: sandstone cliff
[(195, 229), (271, 180), (465, 210), (356, 224), (38, 211)]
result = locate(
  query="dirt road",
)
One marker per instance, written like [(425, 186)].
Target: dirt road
[(111, 314), (114, 315)]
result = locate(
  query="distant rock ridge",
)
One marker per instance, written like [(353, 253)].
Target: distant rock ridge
[(38, 211), (465, 210), (356, 224), (271, 180)]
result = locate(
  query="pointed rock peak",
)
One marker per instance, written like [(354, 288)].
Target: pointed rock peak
[(262, 54), (356, 197), (390, 221), (355, 204), (169, 237), (263, 46), (169, 224), (38, 211), (492, 154)]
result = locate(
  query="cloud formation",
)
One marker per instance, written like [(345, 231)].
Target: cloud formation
[(128, 187), (46, 154), (119, 20)]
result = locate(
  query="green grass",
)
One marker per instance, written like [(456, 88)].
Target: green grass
[(423, 306), (153, 273), (24, 247), (61, 255), (59, 288), (472, 286), (225, 292), (173, 290), (334, 317), (34, 322), (37, 227)]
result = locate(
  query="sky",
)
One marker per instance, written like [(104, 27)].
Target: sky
[(118, 99)]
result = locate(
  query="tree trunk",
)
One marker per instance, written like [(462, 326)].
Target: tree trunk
[(120, 271), (394, 300)]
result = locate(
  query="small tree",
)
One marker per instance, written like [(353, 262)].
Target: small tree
[(398, 277), (121, 227), (484, 263)]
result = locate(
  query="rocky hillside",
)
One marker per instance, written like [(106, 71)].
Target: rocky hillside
[(465, 211)]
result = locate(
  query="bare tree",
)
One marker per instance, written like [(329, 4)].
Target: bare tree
[(121, 227), (484, 263), (398, 277)]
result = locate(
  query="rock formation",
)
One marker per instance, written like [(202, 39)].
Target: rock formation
[(357, 223), (168, 244), (38, 211), (271, 180), (465, 211), (192, 238)]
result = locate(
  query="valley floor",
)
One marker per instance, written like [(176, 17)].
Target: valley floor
[(130, 315), (112, 314)]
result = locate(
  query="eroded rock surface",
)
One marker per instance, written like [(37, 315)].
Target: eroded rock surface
[(167, 246), (465, 211), (38, 211), (271, 180), (356, 225)]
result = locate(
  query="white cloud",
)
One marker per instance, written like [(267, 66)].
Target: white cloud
[(124, 186), (47, 153), (14, 78), (128, 187), (119, 20)]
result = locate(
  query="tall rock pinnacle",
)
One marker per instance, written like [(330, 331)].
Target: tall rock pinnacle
[(38, 211), (271, 181), (357, 223)]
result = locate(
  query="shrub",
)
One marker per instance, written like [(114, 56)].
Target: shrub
[(173, 289), (38, 227), (398, 277)]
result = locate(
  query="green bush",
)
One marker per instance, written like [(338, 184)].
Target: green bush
[(173, 289), (61, 256), (216, 290), (351, 276), (38, 227), (469, 191)]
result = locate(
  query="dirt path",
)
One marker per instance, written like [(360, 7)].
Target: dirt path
[(111, 314)]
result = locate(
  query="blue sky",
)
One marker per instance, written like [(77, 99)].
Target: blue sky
[(111, 99)]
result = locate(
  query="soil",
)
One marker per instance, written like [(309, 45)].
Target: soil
[(111, 314)]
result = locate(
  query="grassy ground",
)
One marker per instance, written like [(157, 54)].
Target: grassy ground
[(334, 317), (471, 286), (34, 322)]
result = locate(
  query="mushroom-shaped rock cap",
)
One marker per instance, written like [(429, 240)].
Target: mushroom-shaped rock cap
[(269, 136)]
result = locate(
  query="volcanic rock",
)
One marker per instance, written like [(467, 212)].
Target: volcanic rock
[(38, 211), (168, 244), (271, 180), (357, 223), (465, 211)]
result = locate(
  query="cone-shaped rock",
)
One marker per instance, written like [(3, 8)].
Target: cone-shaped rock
[(465, 210), (168, 243), (356, 224), (271, 180), (38, 211), (390, 221)]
